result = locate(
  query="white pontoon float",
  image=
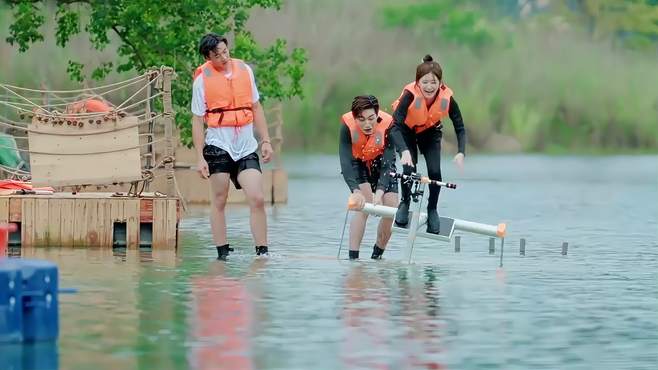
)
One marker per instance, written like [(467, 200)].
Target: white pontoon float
[(418, 220)]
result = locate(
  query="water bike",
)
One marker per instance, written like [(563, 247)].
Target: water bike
[(418, 219)]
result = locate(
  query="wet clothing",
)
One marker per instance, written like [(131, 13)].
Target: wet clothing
[(357, 172), (219, 161), (427, 141)]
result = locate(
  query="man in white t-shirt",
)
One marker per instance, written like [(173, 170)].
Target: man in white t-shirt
[(226, 99)]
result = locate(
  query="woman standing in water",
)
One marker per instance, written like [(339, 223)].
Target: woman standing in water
[(417, 117)]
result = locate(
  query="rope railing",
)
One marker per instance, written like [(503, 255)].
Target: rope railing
[(48, 112), (13, 87), (68, 100), (140, 122), (42, 112)]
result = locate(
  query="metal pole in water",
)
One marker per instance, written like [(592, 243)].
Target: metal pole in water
[(458, 240), (522, 247), (565, 247), (502, 245), (340, 246), (413, 226), (492, 245)]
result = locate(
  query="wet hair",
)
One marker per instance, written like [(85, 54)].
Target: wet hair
[(209, 43), (428, 66), (363, 102)]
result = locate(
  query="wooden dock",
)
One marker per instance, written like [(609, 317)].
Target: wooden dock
[(92, 220)]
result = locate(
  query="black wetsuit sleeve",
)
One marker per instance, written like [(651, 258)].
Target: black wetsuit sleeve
[(347, 162), (400, 114), (387, 166), (457, 121)]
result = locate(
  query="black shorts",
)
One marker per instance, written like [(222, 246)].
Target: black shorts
[(372, 177), (219, 161)]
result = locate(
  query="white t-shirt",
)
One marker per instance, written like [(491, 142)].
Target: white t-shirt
[(238, 142)]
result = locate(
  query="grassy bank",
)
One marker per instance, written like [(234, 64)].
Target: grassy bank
[(545, 90)]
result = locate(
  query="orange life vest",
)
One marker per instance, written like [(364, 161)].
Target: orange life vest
[(88, 106), (229, 101), (419, 118), (368, 147)]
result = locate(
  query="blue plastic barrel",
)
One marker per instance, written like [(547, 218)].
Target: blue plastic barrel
[(11, 310), (29, 312)]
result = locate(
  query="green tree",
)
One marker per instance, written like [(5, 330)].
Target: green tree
[(154, 33)]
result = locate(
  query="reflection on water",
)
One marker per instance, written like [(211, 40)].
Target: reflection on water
[(303, 309), (221, 320), (29, 356), (392, 321)]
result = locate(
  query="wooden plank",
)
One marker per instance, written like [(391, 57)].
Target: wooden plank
[(54, 222), (168, 120), (41, 238), (193, 188), (147, 114), (146, 210), (159, 233), (15, 209), (103, 224), (131, 211), (91, 235), (80, 225), (67, 222), (27, 222), (267, 186), (279, 186), (171, 223), (111, 156), (117, 210), (56, 172), (4, 210)]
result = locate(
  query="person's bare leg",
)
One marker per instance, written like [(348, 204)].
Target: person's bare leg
[(384, 228), (251, 181), (359, 219), (219, 185)]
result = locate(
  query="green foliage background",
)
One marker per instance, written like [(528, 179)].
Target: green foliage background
[(535, 75)]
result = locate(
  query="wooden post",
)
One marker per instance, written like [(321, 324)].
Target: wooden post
[(168, 119), (150, 155), (147, 115), (44, 94), (277, 138)]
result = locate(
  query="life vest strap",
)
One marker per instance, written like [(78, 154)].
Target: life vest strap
[(221, 112)]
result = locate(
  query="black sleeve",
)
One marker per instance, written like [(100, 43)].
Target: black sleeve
[(387, 166), (457, 121), (347, 162), (400, 114)]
